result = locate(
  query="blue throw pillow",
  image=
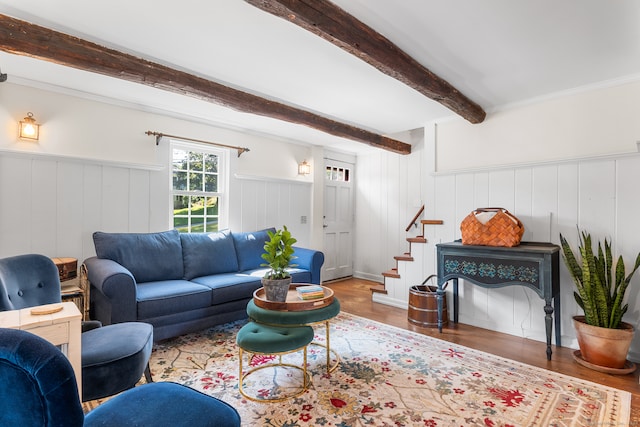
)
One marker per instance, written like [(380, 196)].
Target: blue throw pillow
[(208, 253), (250, 247), (148, 256)]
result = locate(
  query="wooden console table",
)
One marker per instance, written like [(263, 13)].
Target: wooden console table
[(534, 265)]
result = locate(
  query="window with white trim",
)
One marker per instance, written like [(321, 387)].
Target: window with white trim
[(197, 187)]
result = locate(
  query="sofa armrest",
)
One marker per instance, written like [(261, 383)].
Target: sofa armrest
[(309, 259), (116, 287)]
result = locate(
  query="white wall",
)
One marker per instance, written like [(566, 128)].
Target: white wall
[(95, 169), (581, 124)]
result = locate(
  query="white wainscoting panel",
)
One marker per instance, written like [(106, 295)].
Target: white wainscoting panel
[(52, 205), (69, 208)]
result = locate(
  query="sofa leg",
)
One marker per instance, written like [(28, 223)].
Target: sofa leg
[(147, 374)]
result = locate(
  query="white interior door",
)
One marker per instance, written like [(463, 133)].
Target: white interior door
[(338, 220)]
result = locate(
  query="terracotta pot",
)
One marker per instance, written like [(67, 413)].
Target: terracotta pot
[(276, 290), (603, 346)]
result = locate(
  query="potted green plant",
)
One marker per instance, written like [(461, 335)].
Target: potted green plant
[(278, 253), (603, 337)]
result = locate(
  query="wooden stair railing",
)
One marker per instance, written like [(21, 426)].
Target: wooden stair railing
[(393, 273), (415, 218)]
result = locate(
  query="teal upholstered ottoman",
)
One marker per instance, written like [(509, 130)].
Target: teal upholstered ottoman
[(300, 318), (262, 339)]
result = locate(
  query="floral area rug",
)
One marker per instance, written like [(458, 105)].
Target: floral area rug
[(388, 377)]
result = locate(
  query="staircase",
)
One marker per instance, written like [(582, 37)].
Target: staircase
[(409, 269)]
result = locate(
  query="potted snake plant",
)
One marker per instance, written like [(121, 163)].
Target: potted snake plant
[(604, 339), (278, 253)]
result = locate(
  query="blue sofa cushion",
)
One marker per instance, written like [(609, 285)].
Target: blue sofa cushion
[(208, 253), (250, 247), (166, 297), (148, 256), (229, 287), (241, 285)]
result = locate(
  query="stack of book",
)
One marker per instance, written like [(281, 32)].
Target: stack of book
[(310, 292)]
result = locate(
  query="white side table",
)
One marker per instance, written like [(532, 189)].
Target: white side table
[(61, 329)]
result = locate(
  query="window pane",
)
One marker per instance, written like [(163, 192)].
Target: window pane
[(211, 214), (180, 205), (196, 205), (196, 213), (181, 224), (211, 224), (195, 161), (211, 206), (211, 183), (197, 225), (179, 159), (195, 181), (181, 213), (180, 181), (213, 209), (211, 163)]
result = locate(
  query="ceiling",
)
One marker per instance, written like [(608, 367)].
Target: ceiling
[(496, 52)]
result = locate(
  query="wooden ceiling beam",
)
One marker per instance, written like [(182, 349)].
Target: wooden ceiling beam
[(23, 38), (335, 25)]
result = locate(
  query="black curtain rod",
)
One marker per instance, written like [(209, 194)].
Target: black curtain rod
[(159, 135)]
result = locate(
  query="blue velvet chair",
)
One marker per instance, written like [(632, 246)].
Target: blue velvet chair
[(114, 357), (38, 388)]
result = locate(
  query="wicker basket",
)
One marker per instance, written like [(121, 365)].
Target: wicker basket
[(491, 227)]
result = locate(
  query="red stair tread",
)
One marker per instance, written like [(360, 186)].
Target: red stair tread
[(391, 273), (378, 289), (417, 239)]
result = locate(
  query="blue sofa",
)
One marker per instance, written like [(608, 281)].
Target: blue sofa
[(182, 283)]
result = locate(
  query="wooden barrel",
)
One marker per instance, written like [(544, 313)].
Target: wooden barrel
[(423, 306)]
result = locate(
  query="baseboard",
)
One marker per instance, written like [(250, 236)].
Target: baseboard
[(385, 299), (367, 276)]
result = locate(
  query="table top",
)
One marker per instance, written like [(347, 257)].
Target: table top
[(23, 318), (543, 247), (293, 302)]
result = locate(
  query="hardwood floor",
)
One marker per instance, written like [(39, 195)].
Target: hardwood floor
[(355, 298)]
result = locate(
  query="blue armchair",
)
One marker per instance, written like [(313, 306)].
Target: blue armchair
[(38, 388), (114, 357)]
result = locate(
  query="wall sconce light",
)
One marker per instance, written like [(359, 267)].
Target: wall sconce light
[(28, 128), (304, 168)]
